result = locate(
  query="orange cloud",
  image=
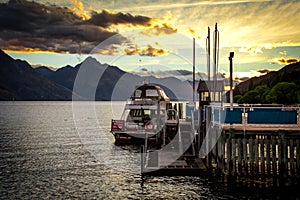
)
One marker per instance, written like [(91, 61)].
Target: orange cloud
[(79, 10), (112, 49), (132, 50), (193, 32), (151, 51), (158, 27), (251, 50), (27, 50)]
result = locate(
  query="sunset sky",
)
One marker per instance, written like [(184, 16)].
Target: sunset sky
[(152, 35)]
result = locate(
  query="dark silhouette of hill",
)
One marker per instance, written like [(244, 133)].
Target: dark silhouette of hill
[(289, 73), (19, 81)]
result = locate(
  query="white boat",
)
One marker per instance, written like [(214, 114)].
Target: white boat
[(148, 114)]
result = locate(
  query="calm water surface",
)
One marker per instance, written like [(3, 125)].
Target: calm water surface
[(43, 156)]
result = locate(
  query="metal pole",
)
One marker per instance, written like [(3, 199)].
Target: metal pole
[(208, 54), (231, 79), (215, 62), (193, 70)]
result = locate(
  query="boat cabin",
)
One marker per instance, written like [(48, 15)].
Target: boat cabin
[(149, 92)]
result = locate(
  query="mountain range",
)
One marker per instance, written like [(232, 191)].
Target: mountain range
[(93, 81), (96, 81)]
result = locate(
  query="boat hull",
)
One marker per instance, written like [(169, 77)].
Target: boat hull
[(128, 136)]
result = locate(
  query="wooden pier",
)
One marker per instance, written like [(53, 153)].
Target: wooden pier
[(259, 155), (265, 146)]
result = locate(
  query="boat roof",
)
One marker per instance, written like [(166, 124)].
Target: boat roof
[(149, 91)]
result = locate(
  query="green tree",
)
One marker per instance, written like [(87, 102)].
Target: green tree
[(263, 90), (283, 93), (251, 96), (236, 98)]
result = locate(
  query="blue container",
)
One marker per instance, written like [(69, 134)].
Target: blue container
[(272, 116), (228, 116)]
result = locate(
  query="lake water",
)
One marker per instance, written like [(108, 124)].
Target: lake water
[(51, 151)]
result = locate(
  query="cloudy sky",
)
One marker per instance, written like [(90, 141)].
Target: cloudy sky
[(152, 35)]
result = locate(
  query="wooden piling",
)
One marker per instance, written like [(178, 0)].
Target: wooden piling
[(228, 156), (240, 152), (268, 160), (262, 156), (291, 158), (233, 156), (279, 157), (256, 164), (245, 159), (259, 157), (251, 154), (298, 156), (274, 160)]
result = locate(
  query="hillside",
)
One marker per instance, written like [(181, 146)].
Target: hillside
[(19, 81), (289, 73)]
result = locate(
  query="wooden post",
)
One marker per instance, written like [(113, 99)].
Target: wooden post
[(228, 157), (274, 168), (298, 156), (292, 167), (222, 151), (279, 157), (245, 159), (262, 157), (284, 157), (240, 152), (267, 143), (251, 155), (233, 156), (142, 159), (256, 155)]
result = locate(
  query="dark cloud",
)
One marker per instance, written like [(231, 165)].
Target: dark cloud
[(107, 18), (285, 61), (144, 69), (181, 72), (263, 71), (33, 26), (30, 26), (242, 79)]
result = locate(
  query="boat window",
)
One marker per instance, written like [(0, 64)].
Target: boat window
[(147, 112), (151, 93), (138, 93)]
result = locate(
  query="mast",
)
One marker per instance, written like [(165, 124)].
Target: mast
[(215, 60), (193, 70), (208, 53)]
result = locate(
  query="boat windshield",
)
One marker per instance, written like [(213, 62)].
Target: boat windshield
[(151, 93)]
